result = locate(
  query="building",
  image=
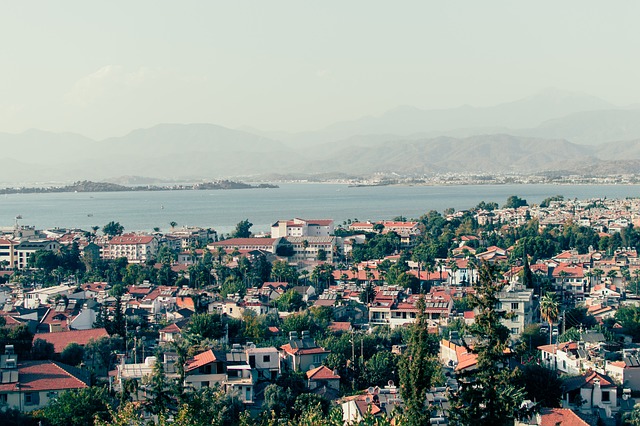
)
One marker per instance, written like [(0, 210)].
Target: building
[(269, 245), (32, 385), (302, 228), (25, 249), (302, 354), (136, 248), (308, 249), (517, 301)]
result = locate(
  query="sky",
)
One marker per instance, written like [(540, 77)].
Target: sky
[(104, 68)]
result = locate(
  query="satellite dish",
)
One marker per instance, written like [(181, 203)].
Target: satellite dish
[(370, 390), (311, 367), (390, 383), (625, 396)]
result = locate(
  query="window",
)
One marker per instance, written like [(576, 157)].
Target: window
[(266, 358), (3, 398), (606, 396), (515, 305), (31, 398), (515, 330), (317, 359), (204, 384)]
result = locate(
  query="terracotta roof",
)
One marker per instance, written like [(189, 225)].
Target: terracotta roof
[(201, 359), (300, 351), (131, 239), (61, 339), (322, 373), (47, 375), (245, 242), (339, 326), (560, 416), (171, 328)]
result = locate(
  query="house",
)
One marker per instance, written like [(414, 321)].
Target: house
[(31, 385), (625, 372), (322, 377), (590, 391), (265, 361), (565, 357), (302, 354), (170, 333), (206, 369), (35, 298), (25, 249)]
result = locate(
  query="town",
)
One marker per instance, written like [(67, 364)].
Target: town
[(496, 315)]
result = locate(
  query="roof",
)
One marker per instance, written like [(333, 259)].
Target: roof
[(131, 239), (560, 416), (231, 242), (202, 359), (587, 380), (47, 376), (322, 373), (61, 340)]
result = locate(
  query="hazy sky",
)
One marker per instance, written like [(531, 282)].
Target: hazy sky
[(104, 68)]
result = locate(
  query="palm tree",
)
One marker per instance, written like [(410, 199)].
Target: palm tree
[(612, 274), (549, 311)]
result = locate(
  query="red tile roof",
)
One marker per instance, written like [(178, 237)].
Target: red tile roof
[(322, 373), (61, 339), (201, 359), (244, 242), (560, 416), (46, 376), (131, 239)]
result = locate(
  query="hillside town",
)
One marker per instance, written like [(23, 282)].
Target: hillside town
[(394, 321)]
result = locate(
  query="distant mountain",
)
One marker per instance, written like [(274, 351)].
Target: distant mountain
[(535, 134), (528, 112), (590, 127)]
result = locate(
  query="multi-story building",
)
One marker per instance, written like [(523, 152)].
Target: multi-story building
[(25, 249), (308, 248), (302, 228), (136, 248), (517, 301)]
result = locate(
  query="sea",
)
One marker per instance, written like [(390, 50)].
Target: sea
[(223, 209)]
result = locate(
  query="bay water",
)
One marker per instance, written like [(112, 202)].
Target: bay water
[(222, 209)]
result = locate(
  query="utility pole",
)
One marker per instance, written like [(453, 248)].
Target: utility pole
[(564, 321)]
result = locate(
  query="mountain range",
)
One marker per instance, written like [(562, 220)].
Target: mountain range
[(550, 131)]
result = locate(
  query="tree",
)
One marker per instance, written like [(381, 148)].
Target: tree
[(112, 229), (513, 202), (419, 369), (541, 385), (42, 349), (209, 406), (158, 398), (290, 301), (381, 367), (629, 318), (488, 395), (243, 229), (79, 407), (549, 311), (72, 354), (173, 224), (204, 326)]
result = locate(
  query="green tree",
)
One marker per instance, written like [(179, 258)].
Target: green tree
[(42, 349), (112, 229), (380, 368), (488, 395), (629, 318), (209, 406), (513, 202), (204, 326), (72, 354), (158, 399), (549, 311), (79, 407), (243, 229), (290, 301), (419, 369)]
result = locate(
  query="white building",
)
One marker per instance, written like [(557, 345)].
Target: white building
[(302, 228), (136, 248)]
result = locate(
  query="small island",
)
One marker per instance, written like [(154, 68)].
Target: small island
[(89, 186)]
